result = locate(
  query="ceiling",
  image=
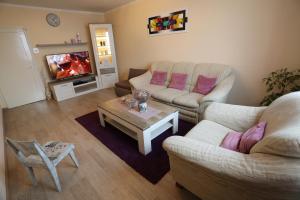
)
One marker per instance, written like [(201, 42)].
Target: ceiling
[(80, 5)]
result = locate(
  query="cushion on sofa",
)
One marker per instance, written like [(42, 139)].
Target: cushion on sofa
[(251, 137), (163, 66), (208, 132), (123, 84), (152, 89), (204, 85), (185, 68), (282, 135), (136, 72), (232, 141), (190, 100), (178, 81), (158, 78), (210, 70), (168, 94)]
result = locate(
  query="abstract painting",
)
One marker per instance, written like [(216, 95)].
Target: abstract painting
[(174, 22)]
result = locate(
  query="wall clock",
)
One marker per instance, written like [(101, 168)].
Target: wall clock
[(53, 19)]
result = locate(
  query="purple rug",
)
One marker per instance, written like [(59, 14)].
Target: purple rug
[(153, 166)]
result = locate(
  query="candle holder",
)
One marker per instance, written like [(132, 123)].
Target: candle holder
[(142, 97)]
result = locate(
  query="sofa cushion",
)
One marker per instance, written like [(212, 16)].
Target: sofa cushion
[(190, 100), (152, 89), (163, 67), (282, 135), (204, 85), (123, 84), (232, 141), (210, 70), (251, 137), (185, 68), (136, 72), (158, 78), (208, 132), (178, 81), (168, 94)]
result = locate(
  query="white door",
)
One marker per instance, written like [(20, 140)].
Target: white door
[(20, 82)]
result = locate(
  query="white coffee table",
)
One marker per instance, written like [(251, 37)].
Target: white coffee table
[(143, 127)]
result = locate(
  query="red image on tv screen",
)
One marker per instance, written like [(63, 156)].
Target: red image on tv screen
[(68, 65)]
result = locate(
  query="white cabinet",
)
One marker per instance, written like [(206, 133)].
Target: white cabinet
[(108, 80), (63, 90), (104, 53)]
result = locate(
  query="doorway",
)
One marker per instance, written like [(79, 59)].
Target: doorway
[(20, 81)]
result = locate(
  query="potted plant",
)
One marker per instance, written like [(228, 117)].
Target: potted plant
[(279, 83)]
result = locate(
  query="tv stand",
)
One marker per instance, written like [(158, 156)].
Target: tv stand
[(67, 89)]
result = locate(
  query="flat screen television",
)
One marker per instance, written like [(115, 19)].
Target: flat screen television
[(68, 65)]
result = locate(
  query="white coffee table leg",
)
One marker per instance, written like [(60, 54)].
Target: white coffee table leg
[(175, 123), (101, 117), (144, 141)]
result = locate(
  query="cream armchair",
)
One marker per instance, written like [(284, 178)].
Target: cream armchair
[(270, 171)]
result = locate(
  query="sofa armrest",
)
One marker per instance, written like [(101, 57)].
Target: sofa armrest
[(267, 170), (236, 117), (221, 91), (141, 81)]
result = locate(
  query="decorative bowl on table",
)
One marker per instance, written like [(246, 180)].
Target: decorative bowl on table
[(131, 102), (142, 97)]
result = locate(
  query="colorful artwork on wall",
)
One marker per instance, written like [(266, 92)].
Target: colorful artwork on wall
[(174, 22)]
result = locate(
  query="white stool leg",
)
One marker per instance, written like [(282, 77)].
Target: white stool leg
[(54, 175), (73, 157), (31, 174)]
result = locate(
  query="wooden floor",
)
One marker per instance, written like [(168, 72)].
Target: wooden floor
[(101, 174)]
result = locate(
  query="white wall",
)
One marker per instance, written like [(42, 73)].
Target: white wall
[(33, 20), (2, 101), (255, 37)]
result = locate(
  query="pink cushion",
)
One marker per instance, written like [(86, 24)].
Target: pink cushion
[(178, 81), (158, 78), (204, 85), (232, 141), (251, 137)]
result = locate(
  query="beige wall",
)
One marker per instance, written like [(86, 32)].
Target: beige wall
[(2, 160), (38, 31), (253, 36)]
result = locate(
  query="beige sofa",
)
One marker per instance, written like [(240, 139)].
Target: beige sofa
[(191, 105), (270, 171)]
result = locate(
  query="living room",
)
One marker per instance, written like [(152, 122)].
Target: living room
[(202, 75)]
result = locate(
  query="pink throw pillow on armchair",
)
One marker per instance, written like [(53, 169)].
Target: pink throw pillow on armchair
[(243, 142), (158, 78), (232, 141), (204, 85), (178, 81), (251, 137)]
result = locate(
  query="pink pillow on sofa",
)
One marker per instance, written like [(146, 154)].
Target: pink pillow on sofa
[(178, 81), (251, 137), (232, 141), (158, 78), (204, 85)]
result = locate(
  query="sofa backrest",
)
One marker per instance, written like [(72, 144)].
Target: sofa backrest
[(185, 68), (163, 66), (282, 134), (193, 70), (210, 70)]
